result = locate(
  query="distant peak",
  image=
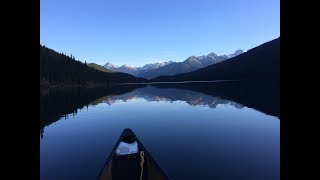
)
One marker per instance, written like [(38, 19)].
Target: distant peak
[(191, 58), (212, 54), (156, 65), (125, 65), (239, 51), (110, 65), (236, 53), (128, 66)]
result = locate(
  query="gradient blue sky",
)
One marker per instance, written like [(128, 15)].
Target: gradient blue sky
[(136, 32)]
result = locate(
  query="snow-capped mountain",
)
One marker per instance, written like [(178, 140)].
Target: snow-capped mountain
[(156, 65), (192, 63), (135, 70), (238, 52), (153, 70), (110, 66)]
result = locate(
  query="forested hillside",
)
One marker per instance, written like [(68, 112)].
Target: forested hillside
[(259, 63), (61, 69)]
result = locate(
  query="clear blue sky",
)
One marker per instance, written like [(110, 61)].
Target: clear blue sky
[(136, 32)]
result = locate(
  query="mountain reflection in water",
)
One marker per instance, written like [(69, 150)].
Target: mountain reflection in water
[(151, 93), (262, 96), (225, 130)]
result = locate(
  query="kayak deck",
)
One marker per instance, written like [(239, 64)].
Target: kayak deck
[(133, 165)]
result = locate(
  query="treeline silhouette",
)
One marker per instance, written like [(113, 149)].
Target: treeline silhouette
[(61, 69)]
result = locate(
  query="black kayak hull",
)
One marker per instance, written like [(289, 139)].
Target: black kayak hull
[(122, 167)]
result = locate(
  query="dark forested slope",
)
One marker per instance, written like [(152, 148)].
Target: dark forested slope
[(259, 63), (60, 69)]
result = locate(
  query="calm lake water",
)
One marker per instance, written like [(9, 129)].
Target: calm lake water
[(226, 131)]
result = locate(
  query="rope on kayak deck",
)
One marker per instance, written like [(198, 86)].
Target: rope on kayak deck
[(141, 164)]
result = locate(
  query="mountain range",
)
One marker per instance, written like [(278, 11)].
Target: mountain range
[(169, 68), (136, 71), (259, 63)]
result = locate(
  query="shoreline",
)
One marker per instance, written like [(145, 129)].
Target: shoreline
[(74, 86)]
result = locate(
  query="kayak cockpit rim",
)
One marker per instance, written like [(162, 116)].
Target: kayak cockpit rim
[(129, 133)]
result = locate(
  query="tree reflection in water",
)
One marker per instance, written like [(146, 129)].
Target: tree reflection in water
[(262, 96)]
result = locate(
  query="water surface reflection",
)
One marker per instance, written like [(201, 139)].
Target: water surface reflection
[(206, 131)]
